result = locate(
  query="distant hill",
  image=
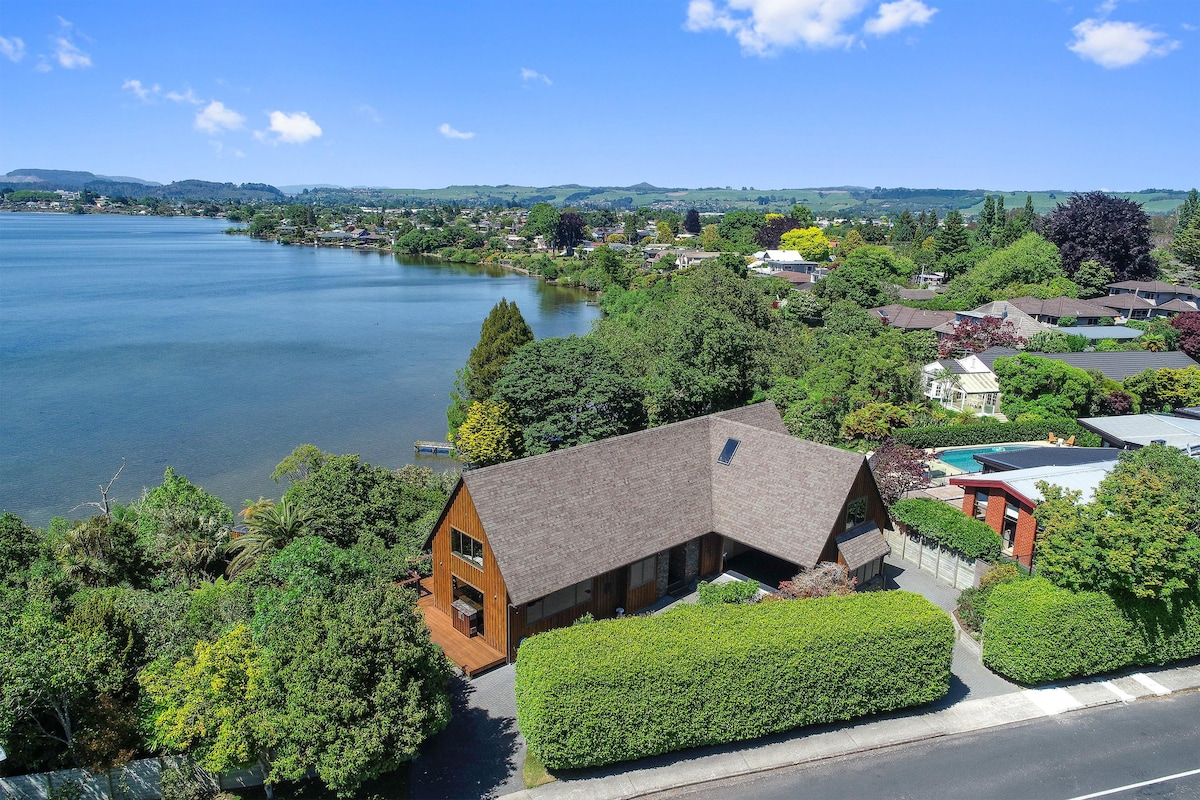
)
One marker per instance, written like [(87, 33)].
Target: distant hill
[(188, 190)]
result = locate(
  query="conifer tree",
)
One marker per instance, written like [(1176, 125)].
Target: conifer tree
[(905, 228), (986, 220), (1188, 210), (1029, 216), (503, 332), (952, 238)]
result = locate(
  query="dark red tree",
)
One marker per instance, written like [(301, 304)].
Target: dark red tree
[(898, 468), (570, 229), (1099, 227), (770, 234), (975, 336), (1188, 326), (691, 222)]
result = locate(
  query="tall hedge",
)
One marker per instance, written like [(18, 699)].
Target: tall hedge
[(624, 689), (948, 527), (995, 433), (1036, 632)]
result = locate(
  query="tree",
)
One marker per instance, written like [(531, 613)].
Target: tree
[(302, 462), (1188, 325), (564, 392), (351, 684), (662, 232), (1186, 244), (952, 238), (874, 422), (852, 242), (1029, 217), (810, 242), (803, 216), (570, 229), (542, 220), (987, 219), (504, 331), (1138, 538), (898, 469), (184, 528), (826, 579), (741, 228), (974, 336), (271, 527), (1188, 211), (691, 222), (904, 228), (1093, 279), (1098, 227), (1029, 260), (770, 234), (489, 435), (710, 239), (18, 549), (207, 703), (101, 551), (1044, 387)]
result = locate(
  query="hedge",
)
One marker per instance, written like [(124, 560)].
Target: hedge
[(994, 433), (1036, 632), (701, 675), (948, 527), (729, 592)]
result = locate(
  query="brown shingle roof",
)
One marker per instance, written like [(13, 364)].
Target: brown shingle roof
[(912, 319), (561, 517), (1061, 307), (862, 545)]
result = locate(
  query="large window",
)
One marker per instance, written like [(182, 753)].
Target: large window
[(643, 572), (856, 512), (465, 547), (559, 601), (1010, 526), (981, 501)]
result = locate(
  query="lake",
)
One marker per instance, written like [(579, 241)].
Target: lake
[(167, 342)]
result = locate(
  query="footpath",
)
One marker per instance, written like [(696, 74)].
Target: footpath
[(966, 716)]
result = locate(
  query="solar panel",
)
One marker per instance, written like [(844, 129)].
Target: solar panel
[(731, 446)]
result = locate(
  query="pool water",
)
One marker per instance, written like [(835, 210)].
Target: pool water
[(963, 458)]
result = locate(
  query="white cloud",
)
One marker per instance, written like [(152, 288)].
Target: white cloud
[(294, 128), (1118, 44), (144, 93), (184, 97), (451, 133), (13, 49), (215, 118), (892, 17), (43, 64), (69, 56), (370, 112), (533, 75), (765, 26)]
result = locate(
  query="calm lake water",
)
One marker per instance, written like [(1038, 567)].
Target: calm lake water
[(169, 343)]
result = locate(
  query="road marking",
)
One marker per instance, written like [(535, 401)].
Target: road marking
[(1150, 683), (1053, 701), (1124, 696), (1163, 779)]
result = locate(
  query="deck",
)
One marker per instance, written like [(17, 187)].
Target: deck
[(472, 654)]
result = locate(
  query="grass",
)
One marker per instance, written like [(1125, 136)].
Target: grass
[(534, 773)]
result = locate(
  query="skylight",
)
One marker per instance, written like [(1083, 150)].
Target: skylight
[(731, 446)]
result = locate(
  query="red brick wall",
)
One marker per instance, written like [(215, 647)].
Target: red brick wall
[(1026, 532)]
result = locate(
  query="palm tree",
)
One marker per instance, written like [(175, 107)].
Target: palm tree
[(271, 527)]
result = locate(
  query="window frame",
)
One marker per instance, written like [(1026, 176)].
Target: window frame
[(851, 507), (457, 538), (648, 567)]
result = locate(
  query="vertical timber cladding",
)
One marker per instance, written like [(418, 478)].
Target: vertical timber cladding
[(712, 552), (608, 594), (488, 580)]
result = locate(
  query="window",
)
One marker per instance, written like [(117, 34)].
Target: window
[(1009, 527), (981, 501), (731, 446), (856, 512), (557, 602), (643, 572), (465, 547)]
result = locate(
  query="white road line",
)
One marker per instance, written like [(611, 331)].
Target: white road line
[(1124, 696), (1163, 779), (1150, 683), (1053, 701)]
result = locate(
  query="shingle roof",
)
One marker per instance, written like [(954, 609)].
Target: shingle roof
[(1025, 325), (1124, 302), (561, 517), (1117, 365), (1152, 286), (916, 294), (906, 318), (1061, 307), (1178, 305), (861, 545)]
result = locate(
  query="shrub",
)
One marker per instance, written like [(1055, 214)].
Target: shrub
[(948, 527), (973, 602), (624, 689), (1036, 632), (712, 594), (824, 580), (995, 432)]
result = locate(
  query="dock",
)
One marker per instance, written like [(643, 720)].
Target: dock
[(434, 449)]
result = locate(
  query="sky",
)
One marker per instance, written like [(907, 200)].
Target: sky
[(1022, 94)]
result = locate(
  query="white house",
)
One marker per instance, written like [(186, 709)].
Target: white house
[(962, 384)]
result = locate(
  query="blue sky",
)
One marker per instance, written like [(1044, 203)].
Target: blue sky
[(1024, 94)]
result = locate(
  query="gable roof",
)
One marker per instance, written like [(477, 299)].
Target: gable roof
[(561, 517), (1116, 365), (1025, 325), (906, 318), (1061, 307), (1023, 483), (1158, 287)]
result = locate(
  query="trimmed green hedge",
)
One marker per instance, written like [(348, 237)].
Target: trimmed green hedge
[(700, 675), (712, 594), (948, 526), (1036, 632), (994, 433)]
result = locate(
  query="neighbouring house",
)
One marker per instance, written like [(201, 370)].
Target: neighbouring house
[(690, 258), (1116, 366), (912, 319), (771, 261), (612, 527), (1006, 500), (1147, 299), (1188, 413), (1025, 326), (916, 294), (1049, 312), (962, 384), (1096, 333), (1134, 431), (1030, 457), (798, 280)]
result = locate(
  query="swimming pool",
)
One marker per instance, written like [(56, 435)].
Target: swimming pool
[(963, 458)]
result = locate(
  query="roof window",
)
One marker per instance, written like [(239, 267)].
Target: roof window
[(731, 446)]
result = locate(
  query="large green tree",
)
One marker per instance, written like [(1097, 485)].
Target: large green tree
[(504, 331), (952, 238), (184, 528), (1043, 387)]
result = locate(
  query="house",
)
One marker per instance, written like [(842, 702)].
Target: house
[(612, 527), (1116, 366), (1134, 431), (690, 258), (1049, 312), (1025, 325), (962, 384), (798, 280), (1096, 333), (911, 319), (1146, 299), (1030, 457), (776, 260), (1006, 500)]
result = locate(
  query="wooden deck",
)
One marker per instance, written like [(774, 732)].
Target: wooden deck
[(472, 654)]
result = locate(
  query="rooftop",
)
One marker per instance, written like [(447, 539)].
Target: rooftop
[(1118, 366), (1082, 478), (1031, 457), (1139, 430)]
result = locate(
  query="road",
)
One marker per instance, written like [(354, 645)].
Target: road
[(1102, 752)]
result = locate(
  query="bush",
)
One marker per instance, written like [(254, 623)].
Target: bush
[(948, 527), (1035, 632), (713, 594), (996, 432), (973, 602), (624, 689)]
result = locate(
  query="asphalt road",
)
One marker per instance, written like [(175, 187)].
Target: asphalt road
[(1102, 752)]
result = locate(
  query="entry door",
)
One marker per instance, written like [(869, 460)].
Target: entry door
[(676, 565)]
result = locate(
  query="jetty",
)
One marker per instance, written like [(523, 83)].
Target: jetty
[(434, 449)]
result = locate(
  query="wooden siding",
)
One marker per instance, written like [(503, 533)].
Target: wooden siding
[(472, 654), (461, 514), (639, 597), (712, 552), (864, 486)]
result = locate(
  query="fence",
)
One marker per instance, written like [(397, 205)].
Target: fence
[(137, 780), (940, 562)]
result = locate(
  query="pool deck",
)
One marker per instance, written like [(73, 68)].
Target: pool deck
[(940, 471)]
